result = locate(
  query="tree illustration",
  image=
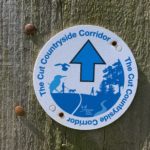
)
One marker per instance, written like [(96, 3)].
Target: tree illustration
[(113, 75), (118, 74), (108, 76)]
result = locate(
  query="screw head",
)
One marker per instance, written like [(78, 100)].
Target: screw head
[(19, 111), (30, 29), (114, 43), (61, 114)]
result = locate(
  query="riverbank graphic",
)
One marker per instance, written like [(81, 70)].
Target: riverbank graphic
[(94, 103)]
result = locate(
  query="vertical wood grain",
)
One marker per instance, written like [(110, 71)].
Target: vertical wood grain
[(130, 19)]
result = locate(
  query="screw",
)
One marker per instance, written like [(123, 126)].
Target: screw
[(30, 29), (114, 43), (61, 114), (19, 111)]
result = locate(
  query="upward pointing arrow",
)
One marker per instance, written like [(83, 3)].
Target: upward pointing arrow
[(87, 57)]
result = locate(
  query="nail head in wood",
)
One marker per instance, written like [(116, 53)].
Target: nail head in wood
[(30, 29), (19, 111)]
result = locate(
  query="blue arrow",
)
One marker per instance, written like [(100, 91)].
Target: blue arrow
[(87, 57)]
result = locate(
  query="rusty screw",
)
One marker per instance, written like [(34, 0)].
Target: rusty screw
[(19, 111), (61, 114), (30, 29), (114, 43)]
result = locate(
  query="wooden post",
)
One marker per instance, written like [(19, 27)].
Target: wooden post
[(130, 19)]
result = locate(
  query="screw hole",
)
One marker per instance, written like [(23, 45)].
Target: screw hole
[(52, 107), (114, 43), (61, 114)]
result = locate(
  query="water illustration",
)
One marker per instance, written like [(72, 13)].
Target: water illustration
[(94, 103)]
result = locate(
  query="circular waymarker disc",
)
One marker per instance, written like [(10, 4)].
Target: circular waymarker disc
[(85, 77)]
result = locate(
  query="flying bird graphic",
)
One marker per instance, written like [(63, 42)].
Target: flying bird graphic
[(64, 66)]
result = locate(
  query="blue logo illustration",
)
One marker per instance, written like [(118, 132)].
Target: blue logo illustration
[(64, 66), (97, 100), (87, 57)]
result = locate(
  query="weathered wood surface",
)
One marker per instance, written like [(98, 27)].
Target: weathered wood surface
[(130, 19)]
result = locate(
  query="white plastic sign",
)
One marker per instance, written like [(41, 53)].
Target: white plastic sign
[(85, 77)]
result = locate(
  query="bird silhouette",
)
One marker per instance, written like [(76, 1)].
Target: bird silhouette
[(64, 66), (55, 83)]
